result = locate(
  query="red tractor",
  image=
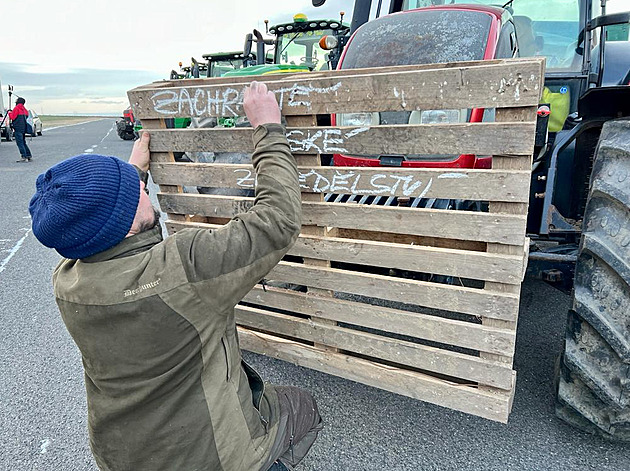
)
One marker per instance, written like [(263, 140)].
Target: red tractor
[(579, 208)]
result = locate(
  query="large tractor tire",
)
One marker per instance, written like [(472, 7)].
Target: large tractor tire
[(124, 132), (594, 370)]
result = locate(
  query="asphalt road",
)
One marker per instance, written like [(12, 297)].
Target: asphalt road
[(42, 402)]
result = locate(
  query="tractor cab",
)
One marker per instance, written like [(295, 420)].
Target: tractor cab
[(298, 42), (219, 63)]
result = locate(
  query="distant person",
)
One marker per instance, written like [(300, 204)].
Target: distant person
[(18, 116), (167, 389)]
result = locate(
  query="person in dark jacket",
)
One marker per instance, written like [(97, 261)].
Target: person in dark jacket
[(154, 320), (18, 117)]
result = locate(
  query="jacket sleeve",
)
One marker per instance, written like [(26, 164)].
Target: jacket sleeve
[(233, 258), (13, 113)]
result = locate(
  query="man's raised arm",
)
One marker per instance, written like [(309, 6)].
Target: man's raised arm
[(248, 247)]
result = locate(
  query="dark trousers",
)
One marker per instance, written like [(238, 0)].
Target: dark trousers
[(299, 425), (20, 140)]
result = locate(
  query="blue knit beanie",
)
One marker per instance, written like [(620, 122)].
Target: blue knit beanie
[(85, 204)]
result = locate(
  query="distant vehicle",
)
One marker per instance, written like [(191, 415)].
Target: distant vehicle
[(127, 128), (6, 132), (5, 128), (37, 123)]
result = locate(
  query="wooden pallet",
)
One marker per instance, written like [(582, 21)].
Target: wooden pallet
[(446, 337)]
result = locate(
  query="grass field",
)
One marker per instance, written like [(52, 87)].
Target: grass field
[(50, 121)]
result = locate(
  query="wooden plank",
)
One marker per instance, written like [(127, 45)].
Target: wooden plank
[(440, 242), (415, 355), (469, 184), (163, 84), (444, 139), (440, 261), (484, 86), (464, 225), (473, 301), (449, 262), (492, 405), (413, 324)]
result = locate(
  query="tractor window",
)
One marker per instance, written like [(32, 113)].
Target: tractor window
[(547, 28), (303, 49), (220, 67), (419, 37)]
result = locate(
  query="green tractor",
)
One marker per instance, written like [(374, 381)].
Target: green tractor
[(220, 63)]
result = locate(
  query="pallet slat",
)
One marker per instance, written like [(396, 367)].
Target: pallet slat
[(465, 184), (472, 301), (166, 84), (455, 139), (441, 261), (473, 86), (464, 225)]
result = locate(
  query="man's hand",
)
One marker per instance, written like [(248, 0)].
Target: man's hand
[(260, 105), (140, 154)]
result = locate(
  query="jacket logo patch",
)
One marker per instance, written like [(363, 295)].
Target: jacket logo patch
[(141, 288)]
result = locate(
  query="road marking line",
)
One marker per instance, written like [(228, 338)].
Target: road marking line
[(13, 251), (76, 124), (109, 132)]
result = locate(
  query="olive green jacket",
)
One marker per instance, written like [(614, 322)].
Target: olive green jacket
[(154, 321)]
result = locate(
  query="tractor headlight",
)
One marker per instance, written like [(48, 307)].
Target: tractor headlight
[(358, 119), (328, 42)]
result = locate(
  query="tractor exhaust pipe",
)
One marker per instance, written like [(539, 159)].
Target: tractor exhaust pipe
[(260, 47), (360, 15)]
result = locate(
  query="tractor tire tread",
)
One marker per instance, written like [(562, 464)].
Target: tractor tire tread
[(593, 383)]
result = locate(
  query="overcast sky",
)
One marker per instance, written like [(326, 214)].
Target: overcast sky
[(71, 56), (78, 57)]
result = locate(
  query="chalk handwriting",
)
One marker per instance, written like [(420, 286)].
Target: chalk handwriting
[(325, 141), (229, 101), (351, 181)]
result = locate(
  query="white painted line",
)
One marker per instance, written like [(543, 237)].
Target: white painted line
[(13, 251), (75, 124), (109, 132)]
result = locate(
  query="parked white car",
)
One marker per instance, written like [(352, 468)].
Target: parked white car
[(37, 123)]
